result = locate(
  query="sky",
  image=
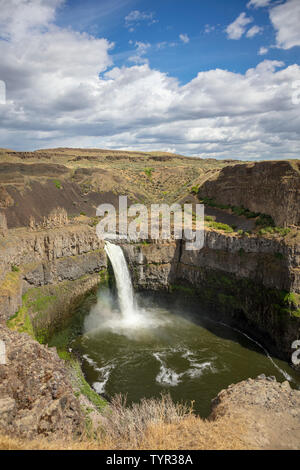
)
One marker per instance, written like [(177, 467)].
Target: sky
[(207, 78)]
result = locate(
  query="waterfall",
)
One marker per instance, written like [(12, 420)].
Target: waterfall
[(134, 321), (123, 280)]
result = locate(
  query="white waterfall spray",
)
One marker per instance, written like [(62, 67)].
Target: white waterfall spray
[(123, 280), (133, 321)]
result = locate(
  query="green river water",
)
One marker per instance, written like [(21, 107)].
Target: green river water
[(168, 347)]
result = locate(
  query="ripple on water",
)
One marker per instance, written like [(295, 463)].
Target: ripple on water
[(105, 371), (167, 376), (103, 374)]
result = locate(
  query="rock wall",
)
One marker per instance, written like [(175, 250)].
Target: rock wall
[(249, 280), (271, 188), (32, 259), (44, 276), (23, 247), (268, 261)]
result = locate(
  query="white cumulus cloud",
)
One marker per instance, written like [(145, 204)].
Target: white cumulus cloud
[(253, 31), (286, 21), (61, 92), (20, 16), (236, 29)]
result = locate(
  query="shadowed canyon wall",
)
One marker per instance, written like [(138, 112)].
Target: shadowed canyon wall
[(271, 188)]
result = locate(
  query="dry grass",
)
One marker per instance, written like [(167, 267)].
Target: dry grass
[(121, 172), (130, 425), (150, 424)]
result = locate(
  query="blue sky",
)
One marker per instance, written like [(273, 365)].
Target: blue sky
[(204, 23), (207, 78)]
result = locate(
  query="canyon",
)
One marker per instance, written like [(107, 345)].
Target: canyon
[(50, 264)]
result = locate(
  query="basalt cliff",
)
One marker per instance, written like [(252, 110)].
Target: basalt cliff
[(51, 258)]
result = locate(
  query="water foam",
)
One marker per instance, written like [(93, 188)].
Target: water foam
[(166, 376), (129, 319), (104, 373), (99, 386)]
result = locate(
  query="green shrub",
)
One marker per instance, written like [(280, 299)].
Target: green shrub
[(184, 289), (195, 189), (282, 231), (237, 210), (291, 298), (221, 226), (94, 221), (57, 184), (148, 172), (84, 387), (15, 268), (21, 322), (251, 215), (228, 301), (274, 230)]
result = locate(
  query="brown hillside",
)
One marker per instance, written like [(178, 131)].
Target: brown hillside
[(78, 180)]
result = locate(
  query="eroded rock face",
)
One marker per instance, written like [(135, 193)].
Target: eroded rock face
[(3, 225), (241, 278), (45, 257), (153, 265), (273, 263), (26, 247), (267, 187), (5, 199), (36, 396)]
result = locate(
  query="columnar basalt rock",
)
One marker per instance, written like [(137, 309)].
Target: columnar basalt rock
[(249, 280), (45, 257), (270, 262)]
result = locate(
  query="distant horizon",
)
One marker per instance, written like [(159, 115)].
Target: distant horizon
[(131, 150)]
